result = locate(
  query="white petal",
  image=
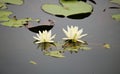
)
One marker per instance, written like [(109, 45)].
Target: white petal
[(38, 35), (80, 31), (81, 41), (36, 38), (65, 38), (51, 41), (83, 35), (37, 42), (49, 33), (66, 33), (53, 37)]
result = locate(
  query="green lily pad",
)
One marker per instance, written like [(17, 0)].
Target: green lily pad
[(55, 54), (2, 5), (116, 17), (4, 15), (16, 22), (17, 2), (69, 8), (115, 1)]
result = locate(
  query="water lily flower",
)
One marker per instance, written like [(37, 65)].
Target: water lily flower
[(44, 37), (74, 34)]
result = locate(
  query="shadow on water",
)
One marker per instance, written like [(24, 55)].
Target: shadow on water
[(76, 16), (79, 16), (41, 28)]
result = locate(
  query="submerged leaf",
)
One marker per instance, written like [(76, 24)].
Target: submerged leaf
[(69, 8), (16, 23), (116, 17), (4, 15), (115, 1), (106, 45), (55, 54)]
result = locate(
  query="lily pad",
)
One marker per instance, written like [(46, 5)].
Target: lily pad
[(17, 2), (16, 23), (115, 1), (69, 8), (116, 17), (2, 5), (4, 15), (55, 54)]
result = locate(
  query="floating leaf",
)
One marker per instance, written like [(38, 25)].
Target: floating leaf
[(33, 62), (106, 45), (17, 2), (116, 17), (16, 23), (4, 15), (115, 1), (2, 5), (69, 9), (55, 54)]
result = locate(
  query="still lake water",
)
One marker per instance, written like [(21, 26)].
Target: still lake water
[(17, 48)]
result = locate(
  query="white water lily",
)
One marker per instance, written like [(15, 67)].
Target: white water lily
[(44, 36), (74, 34)]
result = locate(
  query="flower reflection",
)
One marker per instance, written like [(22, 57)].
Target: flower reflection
[(44, 39)]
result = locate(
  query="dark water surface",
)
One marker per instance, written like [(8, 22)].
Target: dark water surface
[(17, 48)]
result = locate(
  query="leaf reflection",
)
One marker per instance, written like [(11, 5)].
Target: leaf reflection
[(71, 46)]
